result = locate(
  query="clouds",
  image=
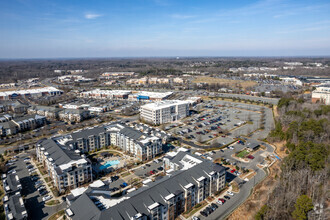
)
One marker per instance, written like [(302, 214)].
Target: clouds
[(92, 15)]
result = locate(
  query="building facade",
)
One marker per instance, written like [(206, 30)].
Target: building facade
[(66, 167), (166, 199), (164, 111)]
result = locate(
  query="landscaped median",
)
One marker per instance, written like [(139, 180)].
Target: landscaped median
[(195, 209), (56, 215), (52, 203)]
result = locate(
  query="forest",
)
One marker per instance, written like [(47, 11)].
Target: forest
[(301, 192)]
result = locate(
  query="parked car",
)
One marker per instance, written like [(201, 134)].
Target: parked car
[(12, 171), (42, 187), (230, 193), (250, 157), (43, 192), (160, 168), (46, 198), (227, 197), (27, 159), (195, 218), (203, 213), (148, 165)]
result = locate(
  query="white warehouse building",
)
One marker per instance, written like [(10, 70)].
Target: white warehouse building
[(164, 111)]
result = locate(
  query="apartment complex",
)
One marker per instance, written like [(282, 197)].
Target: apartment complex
[(164, 111), (54, 113), (106, 94), (321, 94), (34, 93), (191, 180), (143, 145), (10, 125), (66, 167), (13, 106), (12, 201)]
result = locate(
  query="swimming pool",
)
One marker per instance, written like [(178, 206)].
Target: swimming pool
[(109, 164)]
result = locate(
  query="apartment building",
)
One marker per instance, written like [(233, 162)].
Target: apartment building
[(54, 113), (143, 145), (74, 115), (66, 167), (164, 111), (13, 202), (193, 180), (11, 126), (13, 106)]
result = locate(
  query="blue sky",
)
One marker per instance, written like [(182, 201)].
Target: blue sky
[(120, 28)]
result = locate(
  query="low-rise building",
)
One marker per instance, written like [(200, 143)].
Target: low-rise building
[(321, 95), (106, 94), (35, 93), (164, 111), (15, 125), (74, 115)]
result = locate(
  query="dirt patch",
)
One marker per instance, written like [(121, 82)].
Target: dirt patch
[(230, 82), (259, 196), (281, 149)]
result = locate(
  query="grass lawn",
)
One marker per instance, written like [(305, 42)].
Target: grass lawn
[(195, 209), (243, 153), (52, 202), (56, 215), (125, 174)]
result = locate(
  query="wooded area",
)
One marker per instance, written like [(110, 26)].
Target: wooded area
[(305, 171)]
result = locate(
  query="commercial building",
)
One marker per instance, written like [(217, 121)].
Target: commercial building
[(66, 167), (34, 93), (106, 94), (321, 95), (190, 181), (149, 96), (164, 111)]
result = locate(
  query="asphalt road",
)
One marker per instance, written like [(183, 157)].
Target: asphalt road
[(245, 189)]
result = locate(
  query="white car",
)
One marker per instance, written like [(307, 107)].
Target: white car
[(230, 193), (41, 188), (32, 169), (46, 198), (11, 171), (27, 159), (219, 202)]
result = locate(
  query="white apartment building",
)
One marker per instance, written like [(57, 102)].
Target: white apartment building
[(67, 169), (164, 111)]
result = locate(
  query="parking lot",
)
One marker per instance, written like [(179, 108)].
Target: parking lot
[(145, 170), (220, 122), (33, 200)]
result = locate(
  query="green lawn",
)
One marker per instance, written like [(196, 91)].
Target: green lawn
[(52, 202), (243, 153)]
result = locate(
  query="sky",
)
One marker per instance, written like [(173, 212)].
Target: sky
[(148, 28)]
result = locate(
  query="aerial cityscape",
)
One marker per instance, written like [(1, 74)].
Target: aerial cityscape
[(164, 110)]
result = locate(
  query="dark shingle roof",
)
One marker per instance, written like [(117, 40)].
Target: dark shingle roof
[(60, 155), (155, 192)]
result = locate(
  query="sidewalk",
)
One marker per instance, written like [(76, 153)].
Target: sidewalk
[(46, 184)]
